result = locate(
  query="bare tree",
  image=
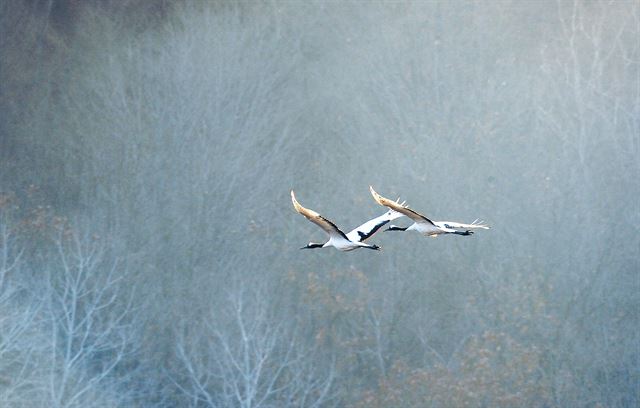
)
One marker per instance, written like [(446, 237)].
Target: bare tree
[(20, 345), (247, 357), (89, 316)]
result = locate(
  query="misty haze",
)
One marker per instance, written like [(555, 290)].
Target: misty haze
[(150, 252)]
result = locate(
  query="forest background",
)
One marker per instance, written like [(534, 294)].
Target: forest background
[(148, 246)]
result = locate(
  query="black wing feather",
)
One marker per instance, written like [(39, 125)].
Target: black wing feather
[(334, 226), (364, 236)]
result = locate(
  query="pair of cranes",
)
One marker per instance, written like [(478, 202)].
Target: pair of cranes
[(355, 239)]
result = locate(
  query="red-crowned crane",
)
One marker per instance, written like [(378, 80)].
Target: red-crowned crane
[(423, 224)]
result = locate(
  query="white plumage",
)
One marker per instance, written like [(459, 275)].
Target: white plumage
[(338, 239), (423, 224)]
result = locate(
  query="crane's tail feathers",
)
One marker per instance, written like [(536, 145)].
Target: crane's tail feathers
[(478, 223)]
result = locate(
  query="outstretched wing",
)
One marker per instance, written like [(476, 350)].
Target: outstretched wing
[(415, 216), (328, 227), (366, 230)]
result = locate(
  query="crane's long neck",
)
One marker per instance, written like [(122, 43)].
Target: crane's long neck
[(312, 245)]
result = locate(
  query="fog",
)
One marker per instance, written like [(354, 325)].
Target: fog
[(149, 250)]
